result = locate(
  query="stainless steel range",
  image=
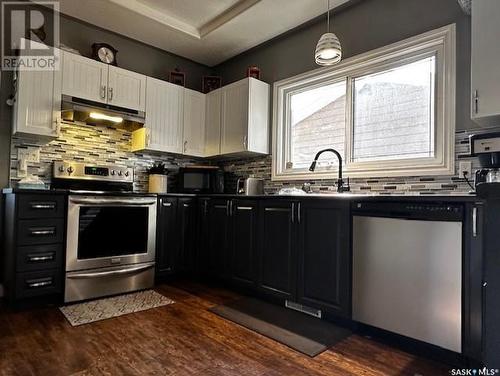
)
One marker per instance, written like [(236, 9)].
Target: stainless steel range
[(111, 231)]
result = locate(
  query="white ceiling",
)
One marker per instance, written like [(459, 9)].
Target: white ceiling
[(206, 31)]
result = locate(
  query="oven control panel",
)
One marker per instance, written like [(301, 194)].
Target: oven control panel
[(76, 170)]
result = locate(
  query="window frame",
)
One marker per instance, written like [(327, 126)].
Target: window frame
[(440, 43)]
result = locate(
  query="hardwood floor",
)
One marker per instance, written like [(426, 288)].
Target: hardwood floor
[(180, 339)]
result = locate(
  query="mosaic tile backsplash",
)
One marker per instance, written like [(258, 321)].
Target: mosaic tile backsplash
[(97, 145), (100, 145), (261, 168)]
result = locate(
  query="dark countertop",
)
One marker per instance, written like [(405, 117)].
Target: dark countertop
[(344, 196), (323, 196), (72, 192)]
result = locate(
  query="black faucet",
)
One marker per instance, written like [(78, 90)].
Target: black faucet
[(340, 183)]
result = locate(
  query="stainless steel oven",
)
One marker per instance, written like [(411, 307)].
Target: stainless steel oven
[(110, 245)]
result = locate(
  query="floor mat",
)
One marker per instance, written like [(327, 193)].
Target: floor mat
[(301, 332), (101, 309)]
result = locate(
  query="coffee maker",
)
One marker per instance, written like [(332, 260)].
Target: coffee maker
[(486, 147)]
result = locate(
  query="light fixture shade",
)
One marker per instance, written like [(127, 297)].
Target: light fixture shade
[(328, 50)]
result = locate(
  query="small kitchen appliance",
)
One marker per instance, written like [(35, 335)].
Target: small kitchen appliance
[(201, 179), (486, 147), (250, 186)]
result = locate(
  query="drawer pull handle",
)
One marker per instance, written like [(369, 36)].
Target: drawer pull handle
[(40, 258), (40, 282), (43, 232), (43, 206), (167, 204)]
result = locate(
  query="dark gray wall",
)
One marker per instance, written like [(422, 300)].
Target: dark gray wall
[(362, 26), (131, 55)]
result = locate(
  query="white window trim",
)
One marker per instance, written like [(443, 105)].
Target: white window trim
[(441, 43)]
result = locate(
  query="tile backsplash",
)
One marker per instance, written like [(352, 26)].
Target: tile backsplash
[(97, 145), (261, 168), (101, 145)]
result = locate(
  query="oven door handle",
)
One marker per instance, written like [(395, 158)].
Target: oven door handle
[(107, 201), (111, 272)]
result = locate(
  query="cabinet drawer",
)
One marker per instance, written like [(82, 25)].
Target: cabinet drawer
[(33, 284), (41, 206), (40, 257), (40, 231)]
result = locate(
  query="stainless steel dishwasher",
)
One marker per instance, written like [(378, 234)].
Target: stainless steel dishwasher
[(407, 270)]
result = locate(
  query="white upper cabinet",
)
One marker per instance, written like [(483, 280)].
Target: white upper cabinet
[(234, 117), (245, 117), (194, 123), (213, 122), (37, 107), (163, 129), (126, 89), (485, 70), (84, 78), (91, 80)]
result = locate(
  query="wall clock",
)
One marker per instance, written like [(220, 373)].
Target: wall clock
[(104, 53)]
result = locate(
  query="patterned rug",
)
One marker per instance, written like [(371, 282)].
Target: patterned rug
[(96, 310)]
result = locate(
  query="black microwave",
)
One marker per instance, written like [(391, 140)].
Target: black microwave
[(201, 179)]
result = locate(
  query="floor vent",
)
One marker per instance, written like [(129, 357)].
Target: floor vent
[(304, 309)]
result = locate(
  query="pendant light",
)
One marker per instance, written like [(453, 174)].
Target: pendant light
[(328, 49)]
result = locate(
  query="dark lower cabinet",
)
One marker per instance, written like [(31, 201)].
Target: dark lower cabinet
[(201, 261), (243, 240), (33, 246), (187, 232), (276, 266), (324, 255), (217, 253), (167, 239), (176, 236)]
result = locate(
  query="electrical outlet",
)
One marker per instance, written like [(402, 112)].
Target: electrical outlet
[(465, 168), (30, 154)]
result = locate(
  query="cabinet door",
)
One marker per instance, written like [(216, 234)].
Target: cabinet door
[(126, 89), (485, 72), (475, 275), (203, 236), (244, 214), (186, 219), (234, 132), (194, 123), (164, 116), (84, 78), (324, 255), (277, 260), (213, 123), (168, 238), (37, 108), (218, 217)]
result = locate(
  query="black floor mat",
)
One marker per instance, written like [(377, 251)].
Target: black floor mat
[(301, 332)]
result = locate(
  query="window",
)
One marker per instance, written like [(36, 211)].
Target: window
[(317, 122), (389, 112)]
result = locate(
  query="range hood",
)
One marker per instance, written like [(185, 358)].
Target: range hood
[(80, 110)]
